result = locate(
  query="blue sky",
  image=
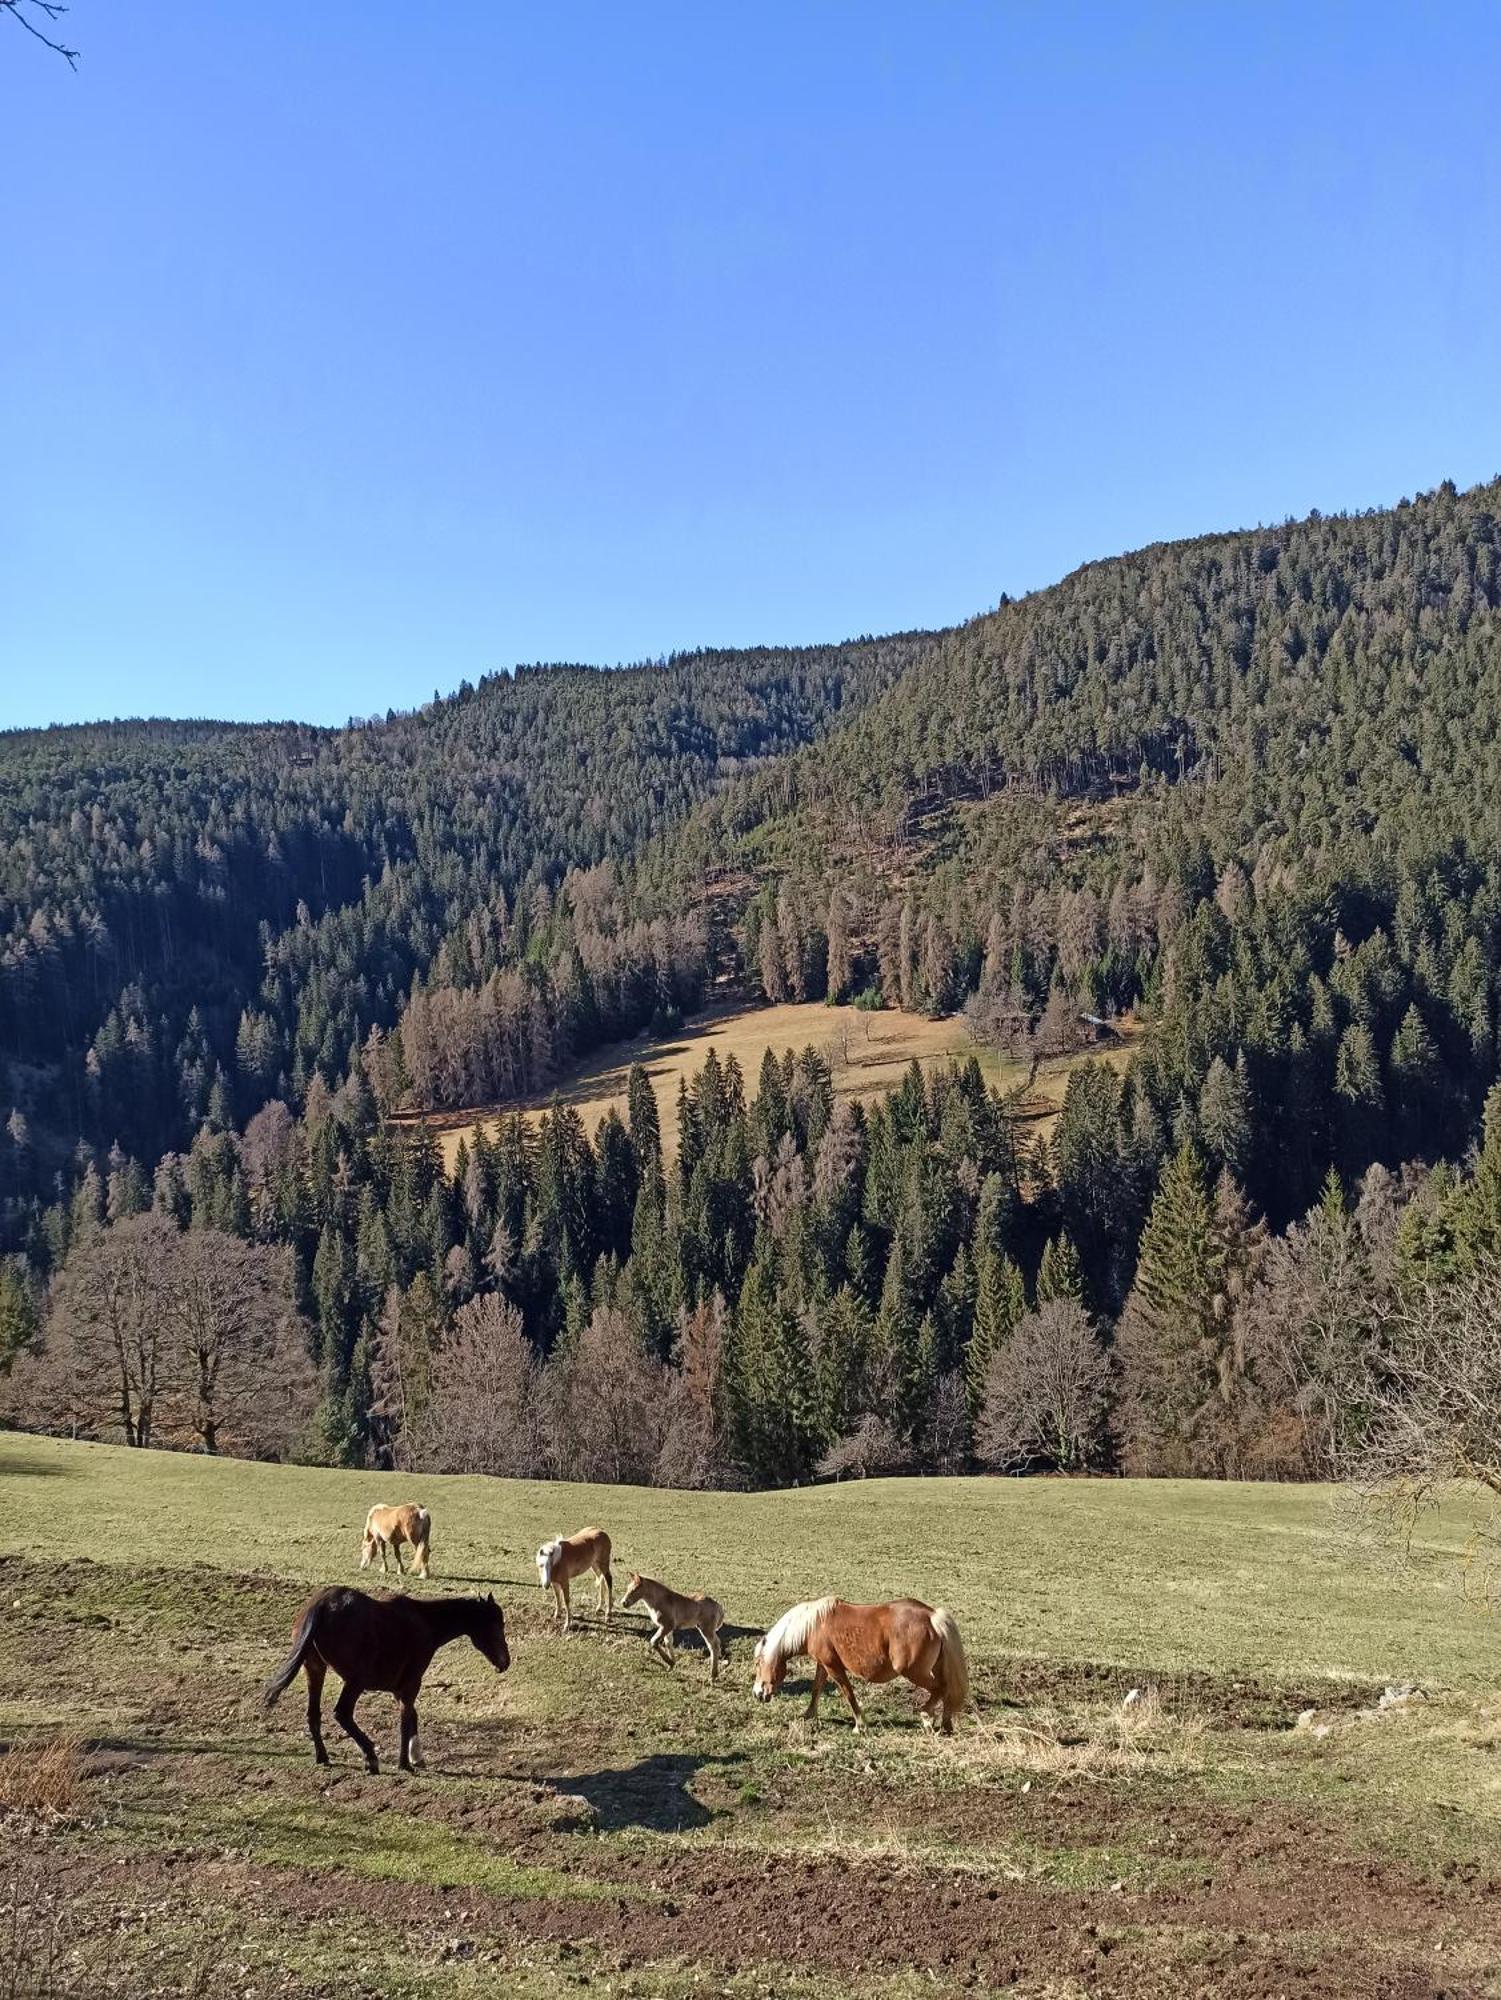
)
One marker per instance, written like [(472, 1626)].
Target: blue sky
[(354, 350)]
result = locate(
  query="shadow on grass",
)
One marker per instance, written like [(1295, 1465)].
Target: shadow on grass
[(23, 1464), (651, 1793)]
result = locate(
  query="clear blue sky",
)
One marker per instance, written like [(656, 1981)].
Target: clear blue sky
[(354, 350)]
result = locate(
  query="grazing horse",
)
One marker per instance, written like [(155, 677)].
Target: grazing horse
[(565, 1557), (388, 1527), (877, 1642), (383, 1644), (677, 1611)]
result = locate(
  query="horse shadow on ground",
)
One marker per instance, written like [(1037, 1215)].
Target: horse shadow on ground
[(686, 1640), (651, 1793), (486, 1582)]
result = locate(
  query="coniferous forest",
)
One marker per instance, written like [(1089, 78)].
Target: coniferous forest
[(1244, 789)]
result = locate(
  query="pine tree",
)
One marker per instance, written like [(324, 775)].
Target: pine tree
[(1359, 1099), (1477, 1209), (775, 1402), (1000, 1294), (18, 1314), (1166, 1335), (1225, 1114), (1417, 1084), (1060, 1275), (841, 1344)]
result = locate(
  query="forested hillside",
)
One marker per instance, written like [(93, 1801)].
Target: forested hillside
[(1244, 786), (1248, 783), (194, 918)]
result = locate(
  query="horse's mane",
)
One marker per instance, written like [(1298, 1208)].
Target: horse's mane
[(794, 1628)]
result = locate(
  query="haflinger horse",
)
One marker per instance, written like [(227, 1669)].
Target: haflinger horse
[(388, 1527), (568, 1556), (676, 1611), (380, 1644), (875, 1642)]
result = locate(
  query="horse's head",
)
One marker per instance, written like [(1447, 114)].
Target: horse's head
[(632, 1589), (489, 1632), (547, 1555), (771, 1671)]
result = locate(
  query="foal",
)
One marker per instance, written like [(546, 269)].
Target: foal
[(677, 1611), (388, 1527), (565, 1557), (380, 1644)]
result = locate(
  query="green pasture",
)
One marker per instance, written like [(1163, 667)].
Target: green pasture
[(1170, 1575)]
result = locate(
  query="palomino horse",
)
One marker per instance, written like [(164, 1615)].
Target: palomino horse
[(566, 1557), (388, 1527), (383, 1644), (676, 1611), (877, 1642)]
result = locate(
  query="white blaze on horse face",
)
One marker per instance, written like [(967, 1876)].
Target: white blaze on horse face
[(762, 1689), (545, 1557)]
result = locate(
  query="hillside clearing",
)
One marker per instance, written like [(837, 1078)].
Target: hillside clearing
[(591, 1819), (869, 1052)]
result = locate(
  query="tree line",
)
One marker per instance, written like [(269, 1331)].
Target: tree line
[(811, 1287)]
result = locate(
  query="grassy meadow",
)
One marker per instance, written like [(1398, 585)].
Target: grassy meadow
[(594, 1822), (869, 1053)]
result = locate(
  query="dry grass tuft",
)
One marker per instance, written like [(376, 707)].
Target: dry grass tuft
[(1097, 1741), (43, 1775)]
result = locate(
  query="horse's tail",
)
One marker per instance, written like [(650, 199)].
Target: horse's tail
[(291, 1666), (953, 1667)]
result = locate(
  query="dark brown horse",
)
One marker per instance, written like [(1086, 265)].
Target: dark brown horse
[(380, 1644)]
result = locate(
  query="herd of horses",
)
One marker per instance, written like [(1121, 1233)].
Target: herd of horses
[(386, 1644)]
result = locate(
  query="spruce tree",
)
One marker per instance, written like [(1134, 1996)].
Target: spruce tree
[(1166, 1335), (1060, 1275)]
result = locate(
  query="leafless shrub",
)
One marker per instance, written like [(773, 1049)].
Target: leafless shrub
[(948, 1435), (871, 1449), (1433, 1419)]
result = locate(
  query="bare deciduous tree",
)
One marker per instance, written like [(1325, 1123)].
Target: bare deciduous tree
[(606, 1405), (484, 1412), (171, 1338), (31, 14), (695, 1450), (1047, 1395), (1433, 1416)]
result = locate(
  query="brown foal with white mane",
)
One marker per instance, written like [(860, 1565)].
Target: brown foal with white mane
[(876, 1642), (568, 1556), (389, 1527), (676, 1611), (380, 1644)]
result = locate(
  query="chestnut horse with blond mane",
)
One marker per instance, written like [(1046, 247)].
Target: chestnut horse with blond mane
[(567, 1557), (874, 1642)]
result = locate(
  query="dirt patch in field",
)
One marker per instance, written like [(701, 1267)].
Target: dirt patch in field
[(1358, 1934), (1223, 1702)]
